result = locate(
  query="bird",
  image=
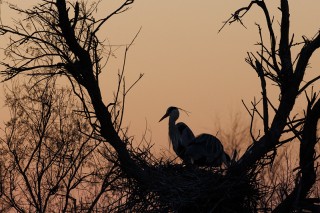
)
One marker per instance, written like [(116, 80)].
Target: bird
[(207, 150), (203, 150), (180, 134)]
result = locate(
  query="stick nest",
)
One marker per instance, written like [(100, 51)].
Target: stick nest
[(181, 188)]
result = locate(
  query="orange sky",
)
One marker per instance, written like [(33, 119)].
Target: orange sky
[(186, 62)]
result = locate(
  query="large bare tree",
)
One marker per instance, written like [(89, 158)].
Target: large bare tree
[(276, 64), (60, 38)]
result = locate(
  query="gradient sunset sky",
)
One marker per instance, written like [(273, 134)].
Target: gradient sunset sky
[(186, 62)]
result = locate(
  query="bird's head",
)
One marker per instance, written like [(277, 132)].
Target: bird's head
[(172, 112)]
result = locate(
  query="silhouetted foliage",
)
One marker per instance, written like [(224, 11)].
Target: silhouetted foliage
[(50, 156), (55, 147)]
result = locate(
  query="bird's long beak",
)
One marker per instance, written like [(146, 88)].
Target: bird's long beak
[(163, 117)]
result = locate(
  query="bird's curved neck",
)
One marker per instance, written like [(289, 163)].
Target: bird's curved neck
[(174, 133), (172, 120)]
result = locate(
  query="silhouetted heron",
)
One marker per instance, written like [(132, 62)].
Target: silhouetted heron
[(179, 133), (203, 150), (207, 150)]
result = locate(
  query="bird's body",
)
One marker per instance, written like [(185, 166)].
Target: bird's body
[(206, 150), (203, 150), (185, 137)]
